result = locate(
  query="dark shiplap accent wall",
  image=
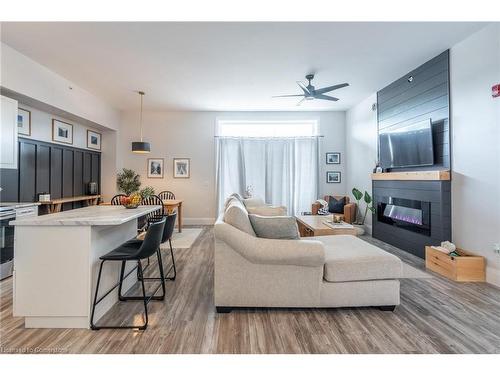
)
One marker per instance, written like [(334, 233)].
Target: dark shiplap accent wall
[(403, 103), (438, 193), (62, 171), (427, 96)]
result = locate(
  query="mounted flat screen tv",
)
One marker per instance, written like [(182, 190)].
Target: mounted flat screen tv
[(408, 146)]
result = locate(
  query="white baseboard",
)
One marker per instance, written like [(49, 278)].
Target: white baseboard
[(198, 221), (493, 276)]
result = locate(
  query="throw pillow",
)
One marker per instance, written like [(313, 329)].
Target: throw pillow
[(275, 227), (267, 210), (324, 207), (237, 216), (336, 206)]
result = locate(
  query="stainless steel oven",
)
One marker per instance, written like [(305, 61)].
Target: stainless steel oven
[(7, 214), (6, 241)]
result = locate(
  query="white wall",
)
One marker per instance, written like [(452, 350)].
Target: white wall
[(361, 148), (191, 135), (25, 76), (30, 79), (41, 128), (475, 124)]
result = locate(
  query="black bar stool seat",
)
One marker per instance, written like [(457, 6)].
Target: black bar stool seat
[(123, 252), (134, 250)]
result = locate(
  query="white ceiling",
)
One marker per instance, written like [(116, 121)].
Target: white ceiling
[(231, 66)]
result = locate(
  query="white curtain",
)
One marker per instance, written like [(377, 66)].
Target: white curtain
[(283, 171)]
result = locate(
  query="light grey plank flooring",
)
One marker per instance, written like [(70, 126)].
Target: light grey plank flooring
[(435, 316)]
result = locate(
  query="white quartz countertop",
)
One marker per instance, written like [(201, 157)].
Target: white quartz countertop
[(87, 216), (19, 204)]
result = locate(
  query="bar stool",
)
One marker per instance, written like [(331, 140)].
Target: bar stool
[(168, 231), (134, 250), (156, 215)]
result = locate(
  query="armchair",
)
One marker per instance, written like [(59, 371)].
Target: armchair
[(349, 215)]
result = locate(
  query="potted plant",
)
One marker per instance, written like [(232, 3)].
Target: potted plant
[(147, 192), (128, 181), (360, 219)]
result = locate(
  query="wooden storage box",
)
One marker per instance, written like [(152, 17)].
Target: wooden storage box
[(466, 267)]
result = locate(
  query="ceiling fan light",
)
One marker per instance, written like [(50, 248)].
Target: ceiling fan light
[(141, 147)]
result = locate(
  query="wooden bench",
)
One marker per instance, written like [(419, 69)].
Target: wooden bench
[(55, 205)]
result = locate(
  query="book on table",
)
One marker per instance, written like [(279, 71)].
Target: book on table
[(341, 225)]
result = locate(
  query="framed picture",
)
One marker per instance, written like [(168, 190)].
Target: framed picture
[(93, 140), (62, 131), (333, 158), (155, 168), (181, 168), (333, 177), (23, 121)]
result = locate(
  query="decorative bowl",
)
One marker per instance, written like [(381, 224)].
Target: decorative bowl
[(132, 201), (131, 205)]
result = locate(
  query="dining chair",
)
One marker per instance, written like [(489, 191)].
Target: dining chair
[(156, 215), (116, 200), (165, 195)]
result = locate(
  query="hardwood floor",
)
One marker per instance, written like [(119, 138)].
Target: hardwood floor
[(435, 316)]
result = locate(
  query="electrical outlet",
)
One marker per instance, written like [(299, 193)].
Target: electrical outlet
[(496, 248)]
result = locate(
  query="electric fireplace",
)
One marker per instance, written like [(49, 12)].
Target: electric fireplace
[(412, 215)]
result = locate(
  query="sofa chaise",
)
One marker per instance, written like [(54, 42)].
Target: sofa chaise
[(327, 271)]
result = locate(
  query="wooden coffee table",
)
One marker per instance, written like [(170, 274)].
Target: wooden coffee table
[(312, 225)]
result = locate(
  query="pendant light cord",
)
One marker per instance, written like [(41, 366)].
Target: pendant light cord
[(140, 118)]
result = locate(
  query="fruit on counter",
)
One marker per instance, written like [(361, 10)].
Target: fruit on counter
[(133, 199)]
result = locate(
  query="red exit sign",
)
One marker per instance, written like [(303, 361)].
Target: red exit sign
[(495, 91)]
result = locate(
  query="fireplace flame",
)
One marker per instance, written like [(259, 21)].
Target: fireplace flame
[(406, 214)]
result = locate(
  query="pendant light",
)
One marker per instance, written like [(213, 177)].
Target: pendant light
[(141, 147)]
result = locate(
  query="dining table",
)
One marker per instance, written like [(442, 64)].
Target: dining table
[(172, 204)]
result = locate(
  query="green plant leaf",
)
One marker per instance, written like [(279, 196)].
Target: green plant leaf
[(372, 209), (357, 194), (147, 192), (128, 181), (367, 198)]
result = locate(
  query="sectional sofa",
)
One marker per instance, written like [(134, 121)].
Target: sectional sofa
[(327, 271)]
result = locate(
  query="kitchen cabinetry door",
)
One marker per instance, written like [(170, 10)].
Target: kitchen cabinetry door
[(8, 133)]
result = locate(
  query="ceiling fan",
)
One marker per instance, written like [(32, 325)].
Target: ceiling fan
[(311, 93)]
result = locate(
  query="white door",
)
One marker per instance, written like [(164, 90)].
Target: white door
[(8, 133)]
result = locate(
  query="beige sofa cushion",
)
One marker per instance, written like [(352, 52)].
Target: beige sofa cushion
[(275, 227), (303, 253), (253, 202), (348, 258), (231, 198), (237, 216), (267, 210)]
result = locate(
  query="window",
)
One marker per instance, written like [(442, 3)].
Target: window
[(266, 129), (277, 159)]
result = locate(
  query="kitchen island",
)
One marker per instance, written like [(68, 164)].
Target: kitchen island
[(56, 263)]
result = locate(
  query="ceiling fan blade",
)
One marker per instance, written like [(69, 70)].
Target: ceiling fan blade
[(325, 97), (300, 102), (286, 96), (331, 88), (304, 88)]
